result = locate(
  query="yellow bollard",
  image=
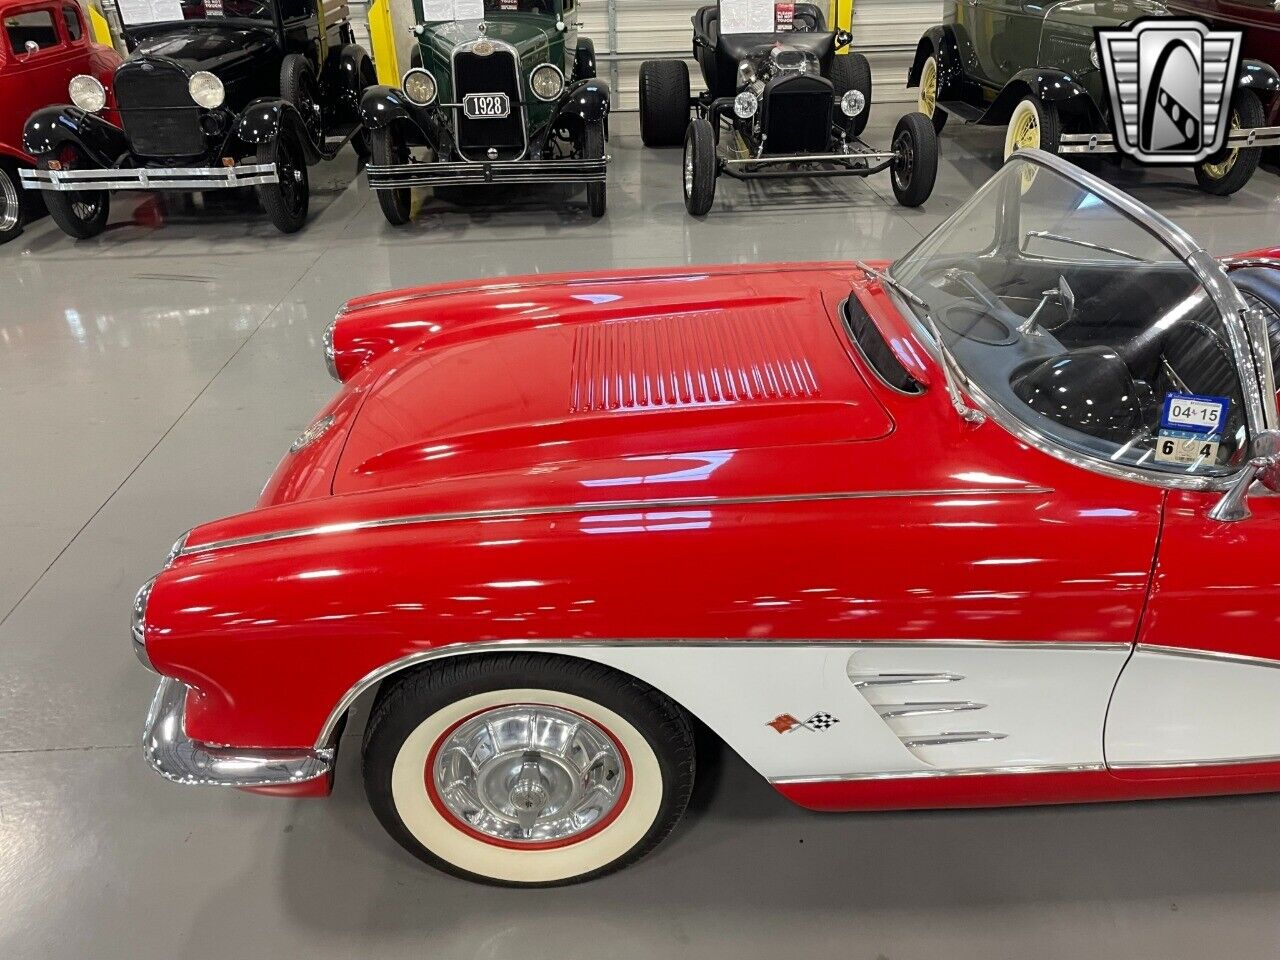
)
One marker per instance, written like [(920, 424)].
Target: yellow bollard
[(382, 39), (840, 17), (99, 28)]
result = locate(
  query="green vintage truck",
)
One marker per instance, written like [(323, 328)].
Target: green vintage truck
[(1033, 66), (498, 92)]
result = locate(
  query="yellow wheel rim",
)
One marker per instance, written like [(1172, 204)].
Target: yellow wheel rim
[(1026, 131), (928, 87), (1216, 171)]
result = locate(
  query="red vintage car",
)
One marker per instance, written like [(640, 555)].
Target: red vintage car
[(996, 526), (43, 44)]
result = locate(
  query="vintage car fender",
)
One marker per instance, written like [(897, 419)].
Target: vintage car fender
[(587, 101), (52, 127), (264, 119), (939, 42), (1052, 86), (1258, 76), (343, 71), (382, 106)]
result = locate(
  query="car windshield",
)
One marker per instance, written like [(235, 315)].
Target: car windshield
[(137, 13), (1082, 323)]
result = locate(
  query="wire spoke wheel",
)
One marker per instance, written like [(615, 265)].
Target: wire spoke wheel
[(928, 101), (1219, 170)]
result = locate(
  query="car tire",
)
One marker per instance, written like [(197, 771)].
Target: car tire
[(664, 102), (642, 765), (1033, 124), (389, 149), (1228, 170), (584, 60), (80, 213), (593, 148), (287, 201), (915, 167), (927, 102), (851, 71), (12, 203), (299, 87), (700, 168)]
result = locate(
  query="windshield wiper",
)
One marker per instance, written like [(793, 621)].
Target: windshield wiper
[(950, 369), (1045, 235)]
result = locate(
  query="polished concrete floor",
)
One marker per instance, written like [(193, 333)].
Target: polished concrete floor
[(151, 378)]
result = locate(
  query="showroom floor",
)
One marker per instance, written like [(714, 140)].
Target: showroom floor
[(150, 379)]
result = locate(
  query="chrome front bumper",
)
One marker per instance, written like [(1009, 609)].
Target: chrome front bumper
[(400, 176), (1071, 143), (153, 178), (177, 757)]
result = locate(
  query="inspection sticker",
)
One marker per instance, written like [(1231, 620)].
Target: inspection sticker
[(1194, 413)]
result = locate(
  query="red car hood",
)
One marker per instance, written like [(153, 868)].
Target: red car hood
[(592, 377)]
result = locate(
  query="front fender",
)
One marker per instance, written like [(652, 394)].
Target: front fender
[(1259, 77), (263, 121), (382, 106), (343, 81), (585, 102), (938, 42), (50, 129), (1051, 86)]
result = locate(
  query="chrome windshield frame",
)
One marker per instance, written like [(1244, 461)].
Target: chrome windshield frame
[(1252, 357)]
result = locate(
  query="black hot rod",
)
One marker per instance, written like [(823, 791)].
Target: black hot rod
[(215, 94)]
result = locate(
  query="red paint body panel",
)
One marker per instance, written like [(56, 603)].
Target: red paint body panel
[(1260, 23), (28, 83), (1026, 789), (326, 610)]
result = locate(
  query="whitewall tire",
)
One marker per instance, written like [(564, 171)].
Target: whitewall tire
[(526, 770)]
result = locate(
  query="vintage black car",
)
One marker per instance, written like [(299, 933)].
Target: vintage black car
[(779, 102), (220, 94), (504, 92), (1033, 66)]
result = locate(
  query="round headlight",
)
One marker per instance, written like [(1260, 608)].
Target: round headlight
[(206, 90), (746, 73), (853, 103), (1093, 54), (746, 104), (87, 93), (546, 81), (420, 87)]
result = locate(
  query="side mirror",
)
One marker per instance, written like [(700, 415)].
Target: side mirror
[(1263, 468), (1066, 297), (31, 47), (843, 39)]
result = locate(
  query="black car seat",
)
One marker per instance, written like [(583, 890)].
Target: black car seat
[(1260, 287), (720, 73)]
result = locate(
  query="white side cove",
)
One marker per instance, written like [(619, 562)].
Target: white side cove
[(1177, 707), (880, 710)]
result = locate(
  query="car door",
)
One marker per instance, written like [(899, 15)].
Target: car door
[(38, 75), (1012, 35)]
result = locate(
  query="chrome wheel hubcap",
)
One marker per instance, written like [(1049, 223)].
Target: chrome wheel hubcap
[(688, 171), (529, 773), (9, 201)]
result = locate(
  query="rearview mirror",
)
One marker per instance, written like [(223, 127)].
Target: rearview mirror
[(1067, 298), (31, 47), (1262, 469)]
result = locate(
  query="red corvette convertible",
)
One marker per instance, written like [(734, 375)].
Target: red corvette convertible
[(995, 525)]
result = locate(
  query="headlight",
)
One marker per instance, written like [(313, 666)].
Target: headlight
[(206, 90), (546, 81), (746, 104), (87, 93), (138, 623), (746, 73), (420, 87), (1093, 54), (853, 103)]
